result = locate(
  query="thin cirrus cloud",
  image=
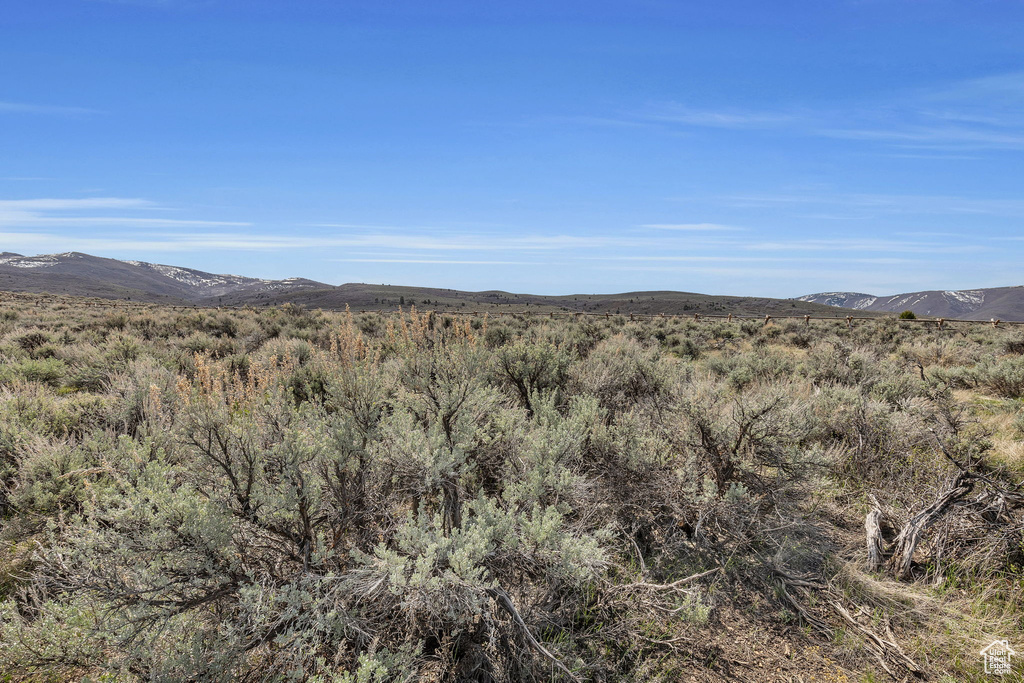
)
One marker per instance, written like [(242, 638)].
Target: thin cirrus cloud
[(981, 114), (865, 245), (73, 204), (53, 213), (969, 115), (432, 261), (29, 220), (691, 227), (934, 137), (118, 225), (883, 203), (673, 113), (18, 225), (438, 239), (750, 259), (45, 109)]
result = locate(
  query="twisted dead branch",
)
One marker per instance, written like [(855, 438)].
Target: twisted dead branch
[(910, 535), (873, 532), (505, 602), (675, 585), (887, 651)]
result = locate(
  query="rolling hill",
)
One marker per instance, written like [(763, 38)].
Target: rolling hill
[(77, 274), (371, 297)]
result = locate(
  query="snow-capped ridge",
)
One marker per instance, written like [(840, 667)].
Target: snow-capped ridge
[(152, 279), (1004, 303)]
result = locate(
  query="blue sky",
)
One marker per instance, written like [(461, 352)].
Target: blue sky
[(757, 148)]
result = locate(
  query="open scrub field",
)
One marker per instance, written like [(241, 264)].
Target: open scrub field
[(291, 495)]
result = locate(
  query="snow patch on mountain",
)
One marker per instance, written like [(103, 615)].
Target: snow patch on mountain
[(842, 299), (210, 285), (864, 303), (972, 297), (32, 261), (195, 278)]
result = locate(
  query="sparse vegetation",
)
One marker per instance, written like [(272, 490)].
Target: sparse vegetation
[(287, 494)]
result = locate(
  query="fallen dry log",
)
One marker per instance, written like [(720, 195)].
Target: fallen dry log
[(910, 535)]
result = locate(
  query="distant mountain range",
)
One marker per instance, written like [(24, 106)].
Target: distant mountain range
[(77, 274), (1003, 303)]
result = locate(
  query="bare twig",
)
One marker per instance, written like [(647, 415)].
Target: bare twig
[(668, 586), (817, 624), (505, 602), (886, 651)]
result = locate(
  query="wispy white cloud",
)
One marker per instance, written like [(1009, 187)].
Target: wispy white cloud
[(419, 238), (157, 3), (833, 217), (243, 241), (599, 121), (930, 155), (883, 203), (73, 204), (928, 233), (795, 255), (33, 214), (750, 259), (25, 220), (933, 137), (976, 115), (25, 108), (134, 227), (679, 114), (970, 115), (855, 245), (691, 227), (747, 273), (431, 261)]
